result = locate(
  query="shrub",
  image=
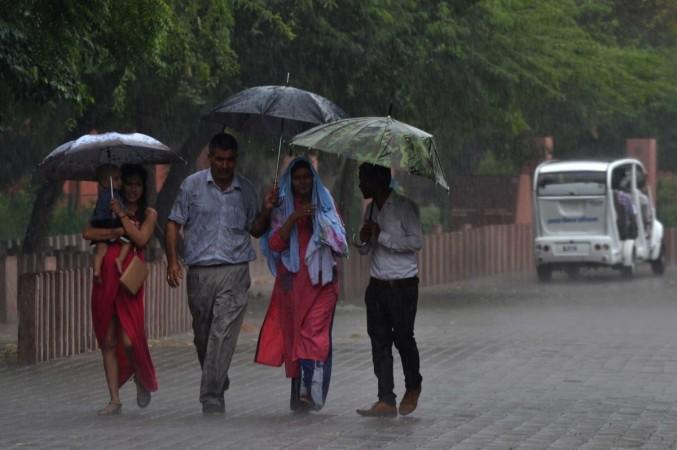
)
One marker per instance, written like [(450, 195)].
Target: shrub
[(666, 203), (64, 221), (430, 216), (15, 211)]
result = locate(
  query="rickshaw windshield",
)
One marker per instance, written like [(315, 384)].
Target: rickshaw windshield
[(556, 184)]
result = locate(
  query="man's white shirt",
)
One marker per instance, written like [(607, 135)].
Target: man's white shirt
[(394, 252)]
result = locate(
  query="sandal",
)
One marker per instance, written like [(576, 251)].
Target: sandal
[(294, 403), (110, 409), (306, 403), (142, 395)]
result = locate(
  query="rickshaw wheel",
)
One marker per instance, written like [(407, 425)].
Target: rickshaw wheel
[(658, 264), (544, 273), (627, 271)]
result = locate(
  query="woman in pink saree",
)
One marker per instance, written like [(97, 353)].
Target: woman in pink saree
[(305, 237)]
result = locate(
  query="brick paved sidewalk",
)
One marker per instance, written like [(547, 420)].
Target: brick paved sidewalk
[(507, 363)]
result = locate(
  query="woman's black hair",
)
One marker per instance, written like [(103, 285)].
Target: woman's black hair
[(129, 170), (299, 164)]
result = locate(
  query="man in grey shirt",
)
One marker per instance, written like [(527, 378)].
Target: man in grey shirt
[(218, 211), (392, 234)]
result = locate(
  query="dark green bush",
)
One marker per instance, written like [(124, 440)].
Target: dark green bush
[(666, 204)]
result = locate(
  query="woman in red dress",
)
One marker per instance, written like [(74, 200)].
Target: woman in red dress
[(118, 316), (306, 234)]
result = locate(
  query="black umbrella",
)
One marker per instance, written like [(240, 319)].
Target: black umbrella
[(78, 159), (282, 111)]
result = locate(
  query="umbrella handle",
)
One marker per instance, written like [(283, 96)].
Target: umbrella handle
[(277, 164)]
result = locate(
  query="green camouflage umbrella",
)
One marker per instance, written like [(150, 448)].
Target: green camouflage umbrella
[(379, 140)]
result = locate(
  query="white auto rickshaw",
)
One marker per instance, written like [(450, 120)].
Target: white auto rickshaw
[(595, 214)]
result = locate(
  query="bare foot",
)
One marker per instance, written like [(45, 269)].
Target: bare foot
[(112, 409), (97, 277), (118, 264)]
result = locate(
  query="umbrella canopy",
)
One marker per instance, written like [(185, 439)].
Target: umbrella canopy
[(379, 140), (276, 110), (78, 159)]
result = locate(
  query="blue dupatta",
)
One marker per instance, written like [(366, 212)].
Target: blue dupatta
[(329, 235)]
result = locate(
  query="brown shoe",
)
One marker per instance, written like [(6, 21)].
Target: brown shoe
[(379, 409), (409, 401)]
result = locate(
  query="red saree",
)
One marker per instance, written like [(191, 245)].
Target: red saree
[(108, 300)]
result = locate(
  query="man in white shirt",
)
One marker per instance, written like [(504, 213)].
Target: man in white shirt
[(392, 234)]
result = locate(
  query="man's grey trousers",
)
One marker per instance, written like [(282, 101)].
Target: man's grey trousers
[(217, 298)]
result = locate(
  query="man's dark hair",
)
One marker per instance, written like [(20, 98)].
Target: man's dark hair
[(223, 141), (379, 175)]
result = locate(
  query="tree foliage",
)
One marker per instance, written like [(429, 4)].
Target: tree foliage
[(482, 75), (69, 67)]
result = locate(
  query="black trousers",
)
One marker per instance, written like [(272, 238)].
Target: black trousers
[(391, 313)]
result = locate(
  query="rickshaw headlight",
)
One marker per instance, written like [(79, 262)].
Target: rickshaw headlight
[(546, 248), (598, 247)]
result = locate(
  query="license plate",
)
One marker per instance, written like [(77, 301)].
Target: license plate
[(572, 249)]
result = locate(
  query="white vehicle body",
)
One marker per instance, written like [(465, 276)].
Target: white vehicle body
[(576, 216)]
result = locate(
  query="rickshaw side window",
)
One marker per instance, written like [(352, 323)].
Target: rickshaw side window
[(641, 179), (557, 184)]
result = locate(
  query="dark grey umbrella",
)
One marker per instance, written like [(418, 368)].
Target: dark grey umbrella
[(275, 110), (282, 111), (78, 159)]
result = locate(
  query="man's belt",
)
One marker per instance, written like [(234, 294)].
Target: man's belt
[(214, 266), (398, 283)]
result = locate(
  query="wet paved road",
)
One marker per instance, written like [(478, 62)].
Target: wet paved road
[(507, 363)]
